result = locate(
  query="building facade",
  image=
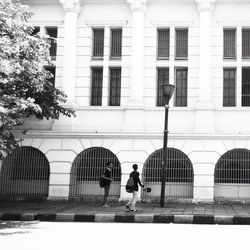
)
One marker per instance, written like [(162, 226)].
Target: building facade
[(111, 58)]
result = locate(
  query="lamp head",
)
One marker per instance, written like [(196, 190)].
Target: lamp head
[(167, 92)]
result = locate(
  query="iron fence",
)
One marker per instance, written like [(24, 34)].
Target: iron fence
[(232, 175), (179, 175), (25, 173), (87, 170)]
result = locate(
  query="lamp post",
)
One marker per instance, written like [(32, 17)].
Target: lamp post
[(167, 92)]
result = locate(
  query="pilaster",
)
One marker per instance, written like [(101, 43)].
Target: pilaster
[(72, 10), (204, 106), (134, 112)]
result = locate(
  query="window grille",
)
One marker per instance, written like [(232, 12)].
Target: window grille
[(163, 43), (25, 173), (229, 43), (96, 91), (116, 43), (162, 78), (86, 171), (181, 43), (98, 43), (245, 101), (179, 175), (51, 70), (52, 32), (232, 175), (181, 75), (115, 87), (246, 43), (229, 87)]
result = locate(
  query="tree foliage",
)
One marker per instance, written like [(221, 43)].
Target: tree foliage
[(25, 86)]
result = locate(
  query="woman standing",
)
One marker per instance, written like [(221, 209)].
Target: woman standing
[(135, 175)]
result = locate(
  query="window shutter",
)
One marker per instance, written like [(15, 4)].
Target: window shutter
[(181, 44), (181, 87), (98, 43), (245, 43), (116, 43), (245, 87), (229, 88), (52, 32), (229, 43), (96, 94), (115, 87), (163, 77), (163, 43)]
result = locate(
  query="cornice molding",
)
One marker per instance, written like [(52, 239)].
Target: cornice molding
[(172, 23), (101, 23), (229, 23), (128, 135)]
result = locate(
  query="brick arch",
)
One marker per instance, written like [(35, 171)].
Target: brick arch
[(179, 174), (232, 175), (25, 174), (86, 170)]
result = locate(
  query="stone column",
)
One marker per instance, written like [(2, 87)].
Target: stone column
[(138, 8), (72, 9), (134, 111), (204, 107)]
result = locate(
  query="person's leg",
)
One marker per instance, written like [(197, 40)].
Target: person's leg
[(106, 194), (129, 203), (134, 200)]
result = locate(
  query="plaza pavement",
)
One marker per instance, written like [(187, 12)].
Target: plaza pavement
[(147, 212)]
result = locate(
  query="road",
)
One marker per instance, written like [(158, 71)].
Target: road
[(114, 236)]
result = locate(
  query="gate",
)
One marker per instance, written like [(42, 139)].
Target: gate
[(179, 175), (25, 174), (86, 171), (232, 176)]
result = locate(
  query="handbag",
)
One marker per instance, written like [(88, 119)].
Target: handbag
[(102, 182)]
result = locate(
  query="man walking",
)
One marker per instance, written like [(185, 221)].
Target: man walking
[(135, 175), (107, 180)]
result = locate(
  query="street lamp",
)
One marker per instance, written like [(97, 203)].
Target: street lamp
[(167, 92)]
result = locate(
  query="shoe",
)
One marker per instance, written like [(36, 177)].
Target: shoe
[(133, 210), (126, 206), (106, 205)]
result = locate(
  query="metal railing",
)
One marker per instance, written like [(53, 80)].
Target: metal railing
[(86, 171), (25, 174), (232, 175), (179, 175)]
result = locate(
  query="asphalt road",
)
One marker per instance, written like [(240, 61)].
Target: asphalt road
[(126, 236)]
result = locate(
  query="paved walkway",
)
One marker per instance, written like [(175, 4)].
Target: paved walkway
[(147, 212)]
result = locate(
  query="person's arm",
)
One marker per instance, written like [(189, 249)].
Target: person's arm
[(104, 176), (139, 181)]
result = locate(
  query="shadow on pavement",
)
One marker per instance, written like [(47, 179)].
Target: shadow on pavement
[(16, 227)]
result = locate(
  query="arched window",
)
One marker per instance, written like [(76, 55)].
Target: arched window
[(179, 174), (25, 173), (232, 175), (86, 170)]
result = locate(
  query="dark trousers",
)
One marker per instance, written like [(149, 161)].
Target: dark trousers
[(106, 194)]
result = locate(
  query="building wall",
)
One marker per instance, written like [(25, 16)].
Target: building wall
[(110, 127)]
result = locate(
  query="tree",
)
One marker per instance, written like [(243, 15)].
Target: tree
[(25, 86)]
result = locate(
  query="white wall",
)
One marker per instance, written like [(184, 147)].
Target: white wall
[(104, 126)]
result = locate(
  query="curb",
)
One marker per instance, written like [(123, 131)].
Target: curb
[(124, 218)]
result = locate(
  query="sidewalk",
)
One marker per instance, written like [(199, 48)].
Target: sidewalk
[(147, 212)]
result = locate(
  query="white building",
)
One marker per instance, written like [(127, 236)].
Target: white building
[(112, 56)]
